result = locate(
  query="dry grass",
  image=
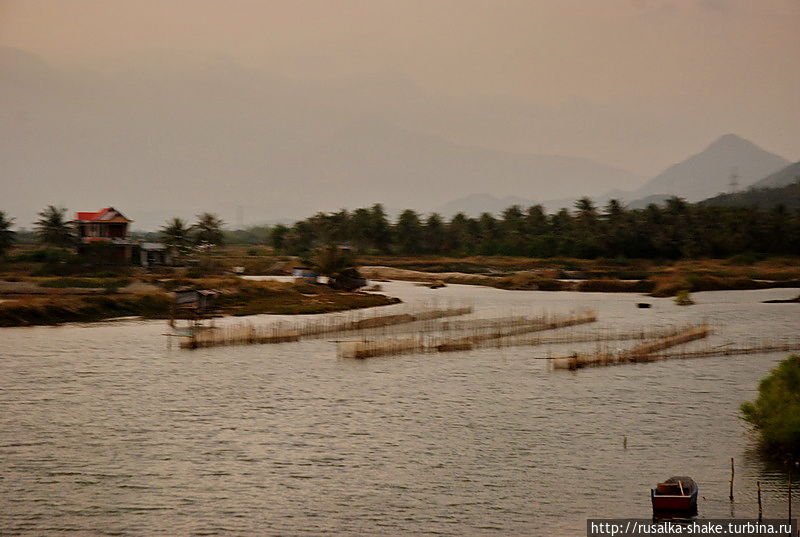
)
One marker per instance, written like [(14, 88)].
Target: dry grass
[(238, 297)]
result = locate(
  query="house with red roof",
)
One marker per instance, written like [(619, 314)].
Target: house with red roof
[(107, 227)]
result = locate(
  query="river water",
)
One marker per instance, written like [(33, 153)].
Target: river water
[(104, 430)]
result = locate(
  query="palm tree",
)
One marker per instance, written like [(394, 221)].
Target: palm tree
[(380, 231), (7, 238), (208, 230), (434, 234), (175, 234), (52, 229), (409, 232)]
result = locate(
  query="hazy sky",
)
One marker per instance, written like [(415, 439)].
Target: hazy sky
[(635, 84)]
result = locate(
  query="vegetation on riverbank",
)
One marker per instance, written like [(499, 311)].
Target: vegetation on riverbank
[(238, 297), (676, 230), (660, 279), (775, 414)]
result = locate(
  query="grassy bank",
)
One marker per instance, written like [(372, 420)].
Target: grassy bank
[(237, 297)]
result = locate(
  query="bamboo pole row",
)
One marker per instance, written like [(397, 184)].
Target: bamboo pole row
[(641, 353), (418, 343), (582, 337), (469, 341), (248, 334), (728, 351)]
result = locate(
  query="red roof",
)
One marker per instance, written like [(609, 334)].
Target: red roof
[(91, 216), (98, 216)]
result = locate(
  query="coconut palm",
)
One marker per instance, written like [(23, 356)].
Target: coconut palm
[(52, 229), (208, 230), (176, 235), (7, 237)]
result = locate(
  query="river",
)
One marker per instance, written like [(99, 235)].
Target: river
[(104, 430)]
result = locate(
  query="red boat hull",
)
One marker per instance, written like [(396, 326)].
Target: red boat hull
[(672, 503), (664, 502)]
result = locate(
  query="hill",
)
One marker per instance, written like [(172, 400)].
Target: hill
[(709, 172), (762, 198), (786, 176)]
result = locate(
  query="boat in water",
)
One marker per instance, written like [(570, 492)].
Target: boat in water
[(676, 494)]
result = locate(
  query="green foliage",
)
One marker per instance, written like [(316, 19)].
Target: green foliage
[(251, 236), (786, 196), (775, 414), (677, 231), (176, 235), (44, 255), (208, 230), (7, 236), (52, 229), (331, 261), (683, 298)]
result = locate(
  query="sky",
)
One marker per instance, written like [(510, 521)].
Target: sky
[(633, 84)]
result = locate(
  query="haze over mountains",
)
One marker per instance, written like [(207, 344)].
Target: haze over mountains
[(698, 177), (157, 143), (163, 141)]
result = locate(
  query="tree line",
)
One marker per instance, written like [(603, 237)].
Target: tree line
[(54, 229), (676, 230)]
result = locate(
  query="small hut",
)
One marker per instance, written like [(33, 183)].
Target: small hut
[(199, 300)]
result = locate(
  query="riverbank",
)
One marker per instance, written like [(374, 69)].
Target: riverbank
[(639, 276), (50, 306)]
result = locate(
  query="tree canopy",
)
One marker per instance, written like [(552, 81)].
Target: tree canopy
[(177, 236), (7, 236), (676, 230), (208, 230), (53, 229), (776, 412)]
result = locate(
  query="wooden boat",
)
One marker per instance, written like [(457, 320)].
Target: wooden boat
[(677, 493)]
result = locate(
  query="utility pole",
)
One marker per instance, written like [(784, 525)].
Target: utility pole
[(734, 181)]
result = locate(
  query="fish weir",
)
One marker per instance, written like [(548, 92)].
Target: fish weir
[(418, 343), (645, 352), (248, 334), (581, 337)]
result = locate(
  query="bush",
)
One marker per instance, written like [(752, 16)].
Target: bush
[(44, 255), (683, 298), (776, 412)]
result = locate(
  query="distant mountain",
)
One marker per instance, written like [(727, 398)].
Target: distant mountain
[(786, 176), (709, 172), (700, 176), (762, 198)]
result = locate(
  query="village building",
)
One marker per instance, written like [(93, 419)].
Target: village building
[(107, 229), (104, 235), (152, 254)]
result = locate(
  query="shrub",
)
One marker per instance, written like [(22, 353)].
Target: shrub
[(776, 412)]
